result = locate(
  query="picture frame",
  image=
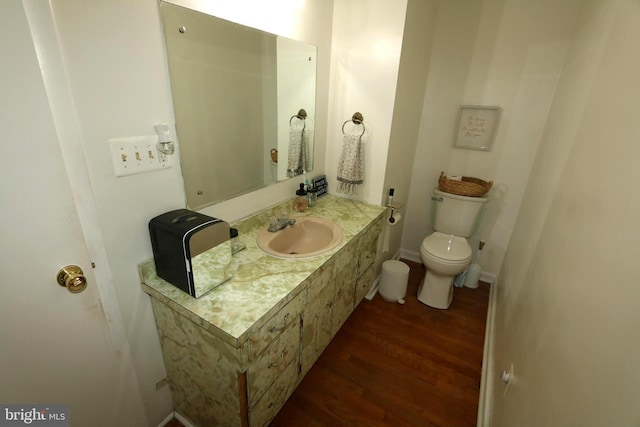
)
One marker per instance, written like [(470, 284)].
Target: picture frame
[(476, 128)]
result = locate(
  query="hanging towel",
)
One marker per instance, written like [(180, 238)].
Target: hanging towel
[(298, 152), (351, 164)]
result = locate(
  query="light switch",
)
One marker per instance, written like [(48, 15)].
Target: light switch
[(136, 154)]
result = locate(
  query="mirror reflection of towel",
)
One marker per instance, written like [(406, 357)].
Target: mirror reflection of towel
[(351, 164), (298, 162)]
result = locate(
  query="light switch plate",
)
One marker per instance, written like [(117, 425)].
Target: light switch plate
[(137, 154)]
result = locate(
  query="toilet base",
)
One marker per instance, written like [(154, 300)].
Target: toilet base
[(436, 291)]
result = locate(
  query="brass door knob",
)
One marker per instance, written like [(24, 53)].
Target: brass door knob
[(72, 278)]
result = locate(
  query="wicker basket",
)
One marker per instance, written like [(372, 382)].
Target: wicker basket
[(471, 187)]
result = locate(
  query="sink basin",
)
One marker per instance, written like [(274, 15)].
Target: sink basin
[(308, 237)]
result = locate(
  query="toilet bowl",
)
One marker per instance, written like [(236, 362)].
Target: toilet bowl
[(445, 256), (446, 252)]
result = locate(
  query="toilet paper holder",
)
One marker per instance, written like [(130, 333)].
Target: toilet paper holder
[(394, 215), (392, 220)]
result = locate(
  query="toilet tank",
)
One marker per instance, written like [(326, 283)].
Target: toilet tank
[(455, 214)]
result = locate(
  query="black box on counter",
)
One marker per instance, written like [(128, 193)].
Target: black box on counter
[(191, 251)]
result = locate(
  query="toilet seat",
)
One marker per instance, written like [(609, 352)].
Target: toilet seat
[(447, 248)]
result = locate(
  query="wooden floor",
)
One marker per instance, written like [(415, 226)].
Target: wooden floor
[(397, 365)]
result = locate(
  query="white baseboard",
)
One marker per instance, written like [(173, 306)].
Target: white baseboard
[(486, 381), (489, 278), (183, 420), (166, 420), (410, 255), (374, 289), (177, 416)]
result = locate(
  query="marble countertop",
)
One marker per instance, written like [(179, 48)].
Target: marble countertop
[(260, 284)]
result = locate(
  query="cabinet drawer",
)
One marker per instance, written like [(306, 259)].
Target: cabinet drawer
[(285, 317), (266, 369)]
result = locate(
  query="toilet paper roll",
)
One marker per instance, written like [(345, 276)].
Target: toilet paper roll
[(395, 219)]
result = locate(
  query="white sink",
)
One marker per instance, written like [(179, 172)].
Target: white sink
[(308, 237)]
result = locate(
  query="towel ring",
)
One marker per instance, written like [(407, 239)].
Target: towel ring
[(356, 119), (302, 115)]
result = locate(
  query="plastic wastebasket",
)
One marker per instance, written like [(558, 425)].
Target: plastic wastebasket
[(393, 281)]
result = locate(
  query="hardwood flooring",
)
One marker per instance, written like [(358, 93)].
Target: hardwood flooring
[(398, 365)]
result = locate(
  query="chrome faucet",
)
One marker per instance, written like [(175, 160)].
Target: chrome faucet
[(277, 224)]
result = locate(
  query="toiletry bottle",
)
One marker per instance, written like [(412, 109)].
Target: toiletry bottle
[(390, 197), (301, 202), (312, 194)]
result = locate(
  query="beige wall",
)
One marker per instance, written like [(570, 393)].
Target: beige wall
[(507, 53), (567, 297)]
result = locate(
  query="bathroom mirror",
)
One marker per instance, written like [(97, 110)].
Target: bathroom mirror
[(244, 103)]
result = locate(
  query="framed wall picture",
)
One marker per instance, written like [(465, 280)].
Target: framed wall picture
[(477, 126)]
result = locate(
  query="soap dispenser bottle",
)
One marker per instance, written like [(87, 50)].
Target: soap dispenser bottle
[(312, 194), (301, 202)]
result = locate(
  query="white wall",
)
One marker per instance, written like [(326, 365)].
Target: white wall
[(412, 79), (567, 309), (507, 53), (367, 41), (116, 67)]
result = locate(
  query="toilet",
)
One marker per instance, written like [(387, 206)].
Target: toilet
[(446, 252)]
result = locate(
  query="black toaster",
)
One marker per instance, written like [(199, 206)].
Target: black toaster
[(191, 251)]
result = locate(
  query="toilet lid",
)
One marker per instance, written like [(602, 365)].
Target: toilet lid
[(447, 246)]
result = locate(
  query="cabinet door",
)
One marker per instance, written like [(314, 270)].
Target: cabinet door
[(265, 370), (345, 280), (316, 330), (364, 282), (267, 333)]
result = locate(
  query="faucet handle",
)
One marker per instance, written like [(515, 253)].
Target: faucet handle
[(283, 214), (273, 220)]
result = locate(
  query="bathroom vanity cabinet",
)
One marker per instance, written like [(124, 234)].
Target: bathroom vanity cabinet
[(235, 355)]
